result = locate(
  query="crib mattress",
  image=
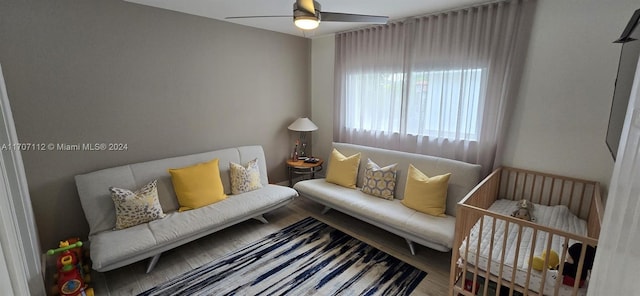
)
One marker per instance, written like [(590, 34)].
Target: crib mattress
[(557, 217)]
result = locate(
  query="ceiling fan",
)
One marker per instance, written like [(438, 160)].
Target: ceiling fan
[(307, 16)]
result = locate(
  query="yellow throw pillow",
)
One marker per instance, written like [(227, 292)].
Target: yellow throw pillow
[(343, 170), (424, 194), (197, 185)]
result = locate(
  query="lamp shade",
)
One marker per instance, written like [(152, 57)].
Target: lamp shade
[(303, 125)]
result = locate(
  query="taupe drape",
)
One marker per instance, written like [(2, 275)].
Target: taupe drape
[(440, 84)]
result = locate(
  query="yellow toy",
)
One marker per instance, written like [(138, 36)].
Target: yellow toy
[(538, 262)]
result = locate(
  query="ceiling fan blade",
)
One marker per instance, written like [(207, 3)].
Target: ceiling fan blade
[(347, 17), (306, 5), (254, 16)]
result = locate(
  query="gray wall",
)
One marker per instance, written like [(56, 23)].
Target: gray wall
[(162, 82), (560, 119)]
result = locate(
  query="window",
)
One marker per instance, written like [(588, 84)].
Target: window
[(439, 103), (440, 84), (374, 102)]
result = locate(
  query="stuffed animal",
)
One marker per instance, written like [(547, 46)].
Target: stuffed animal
[(524, 210), (537, 263), (570, 269)]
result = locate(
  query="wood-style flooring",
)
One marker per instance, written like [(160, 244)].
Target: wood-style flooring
[(132, 279)]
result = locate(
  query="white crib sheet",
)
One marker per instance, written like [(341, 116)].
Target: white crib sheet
[(557, 217)]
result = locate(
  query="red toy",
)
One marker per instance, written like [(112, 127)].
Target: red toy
[(71, 276), (468, 285)]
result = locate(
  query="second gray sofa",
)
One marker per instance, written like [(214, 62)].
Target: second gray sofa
[(391, 215)]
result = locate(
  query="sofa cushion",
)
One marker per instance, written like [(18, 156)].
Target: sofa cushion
[(109, 247), (426, 194), (244, 179), (95, 196), (388, 214), (134, 208), (198, 185), (113, 249), (231, 210), (380, 182), (343, 170)]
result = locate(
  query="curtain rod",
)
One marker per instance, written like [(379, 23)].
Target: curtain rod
[(427, 14)]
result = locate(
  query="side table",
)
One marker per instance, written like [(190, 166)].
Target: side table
[(300, 167)]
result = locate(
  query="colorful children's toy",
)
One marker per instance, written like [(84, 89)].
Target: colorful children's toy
[(71, 274)]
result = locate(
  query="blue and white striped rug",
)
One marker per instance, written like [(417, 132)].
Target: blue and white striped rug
[(306, 258)]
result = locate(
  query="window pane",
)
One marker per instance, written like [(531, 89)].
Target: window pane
[(373, 101), (444, 103), (440, 103)]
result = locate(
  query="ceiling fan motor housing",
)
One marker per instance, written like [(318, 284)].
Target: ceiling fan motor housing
[(307, 15), (297, 12)]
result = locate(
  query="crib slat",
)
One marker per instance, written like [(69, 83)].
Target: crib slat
[(582, 194), (475, 274), (533, 185), (576, 284), (533, 249), (573, 187), (504, 244), (524, 186), (561, 196), (544, 181), (565, 247), (515, 262), (490, 259), (547, 250), (464, 268), (515, 186)]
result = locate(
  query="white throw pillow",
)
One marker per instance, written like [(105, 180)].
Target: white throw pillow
[(380, 182), (134, 208), (245, 179)]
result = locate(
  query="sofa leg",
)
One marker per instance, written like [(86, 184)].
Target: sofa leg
[(261, 218), (325, 210), (411, 247), (152, 262)]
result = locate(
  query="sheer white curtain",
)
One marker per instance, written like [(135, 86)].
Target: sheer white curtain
[(370, 81), (618, 255), (438, 84)]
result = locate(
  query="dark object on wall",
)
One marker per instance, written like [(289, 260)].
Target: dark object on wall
[(624, 81)]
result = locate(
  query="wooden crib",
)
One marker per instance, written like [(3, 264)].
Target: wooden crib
[(472, 277)]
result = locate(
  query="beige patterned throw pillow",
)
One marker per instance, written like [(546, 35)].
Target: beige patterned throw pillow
[(245, 179), (380, 182), (134, 208)]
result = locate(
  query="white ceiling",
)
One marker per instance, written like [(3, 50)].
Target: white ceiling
[(219, 9)]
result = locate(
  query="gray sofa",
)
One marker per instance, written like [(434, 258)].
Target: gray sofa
[(391, 215), (112, 249)]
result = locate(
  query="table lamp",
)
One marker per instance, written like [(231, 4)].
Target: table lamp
[(303, 125)]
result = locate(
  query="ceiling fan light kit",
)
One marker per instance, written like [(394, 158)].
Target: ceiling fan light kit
[(306, 22), (307, 15)]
